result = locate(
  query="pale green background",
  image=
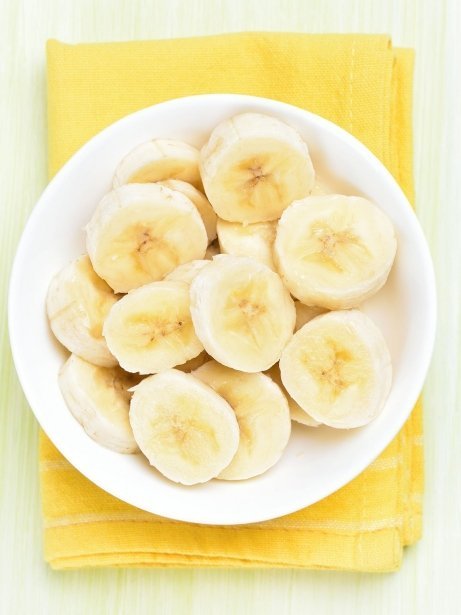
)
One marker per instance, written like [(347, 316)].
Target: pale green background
[(429, 581)]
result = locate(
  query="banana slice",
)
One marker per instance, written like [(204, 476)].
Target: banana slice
[(99, 398), (262, 414), (150, 329), (334, 251), (187, 272), (184, 428), (253, 167), (77, 303), (141, 232), (297, 414), (242, 313), (200, 201), (212, 250), (252, 240), (305, 313), (338, 368), (157, 160)]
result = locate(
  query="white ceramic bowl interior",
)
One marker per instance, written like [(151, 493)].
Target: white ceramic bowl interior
[(317, 461)]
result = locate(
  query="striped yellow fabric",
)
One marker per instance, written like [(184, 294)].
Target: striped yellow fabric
[(359, 82)]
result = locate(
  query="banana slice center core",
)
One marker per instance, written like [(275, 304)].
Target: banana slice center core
[(336, 369), (247, 312), (256, 175), (149, 247), (149, 332), (165, 329), (331, 242), (145, 241), (335, 373), (188, 435), (249, 309)]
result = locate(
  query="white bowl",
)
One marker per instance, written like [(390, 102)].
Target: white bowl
[(317, 461)]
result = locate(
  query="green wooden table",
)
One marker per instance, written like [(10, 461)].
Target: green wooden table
[(429, 579)]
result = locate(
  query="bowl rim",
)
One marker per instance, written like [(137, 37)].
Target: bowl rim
[(425, 352)]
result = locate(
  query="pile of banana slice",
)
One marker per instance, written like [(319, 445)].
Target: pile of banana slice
[(201, 326)]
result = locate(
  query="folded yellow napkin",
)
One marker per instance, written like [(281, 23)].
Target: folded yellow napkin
[(359, 82)]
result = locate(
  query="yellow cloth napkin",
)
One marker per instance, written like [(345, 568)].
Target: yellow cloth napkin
[(359, 82)]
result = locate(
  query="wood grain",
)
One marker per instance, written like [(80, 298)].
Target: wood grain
[(428, 581)]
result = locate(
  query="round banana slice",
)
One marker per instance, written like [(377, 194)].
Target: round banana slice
[(334, 251), (99, 398), (338, 368), (77, 303), (187, 272), (242, 313), (141, 232), (262, 414), (212, 250), (252, 240), (253, 167), (297, 414), (200, 201), (305, 313), (184, 428), (157, 160), (150, 329)]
